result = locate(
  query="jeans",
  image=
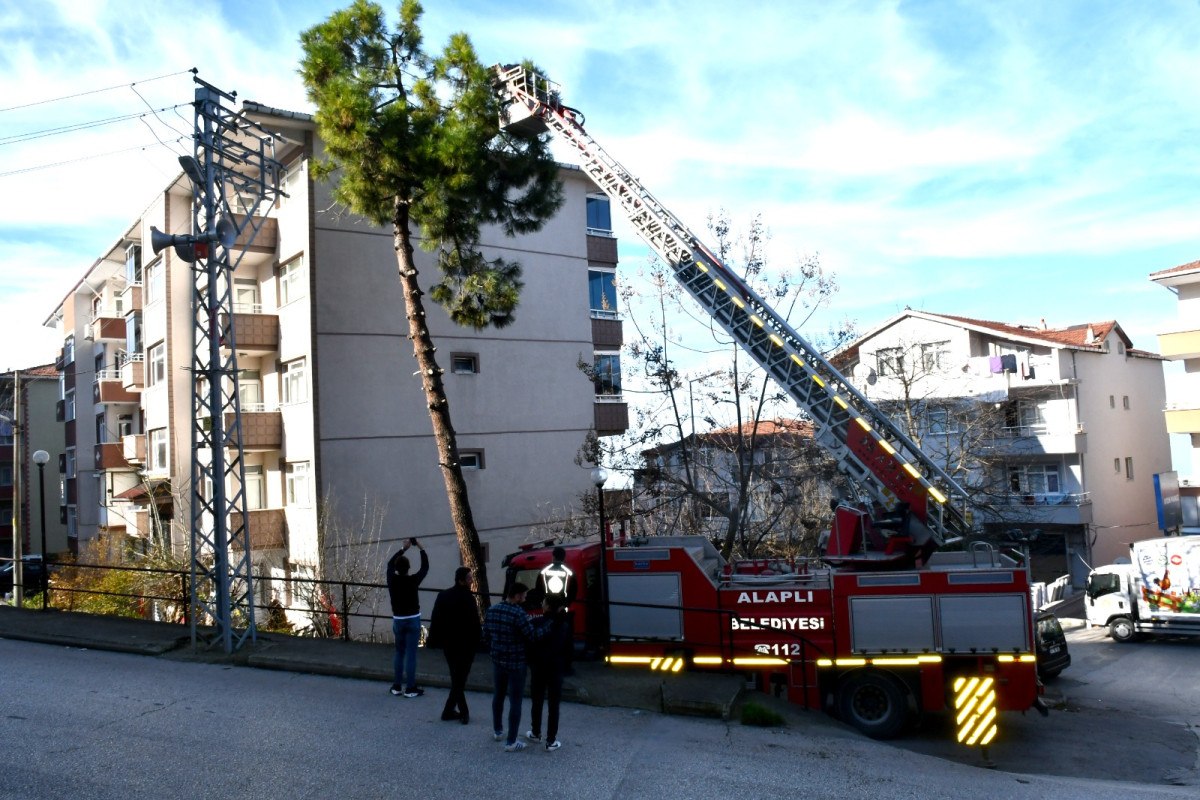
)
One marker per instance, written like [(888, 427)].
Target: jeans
[(508, 683), (407, 633), (546, 684)]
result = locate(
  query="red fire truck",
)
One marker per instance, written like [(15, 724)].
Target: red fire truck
[(884, 626)]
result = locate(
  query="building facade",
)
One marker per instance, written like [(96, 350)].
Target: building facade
[(27, 424), (339, 456), (1180, 342), (1050, 430)]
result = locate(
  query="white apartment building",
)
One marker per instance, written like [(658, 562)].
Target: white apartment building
[(1069, 437), (1181, 342), (332, 413)]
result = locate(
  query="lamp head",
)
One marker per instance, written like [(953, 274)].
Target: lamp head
[(40, 457)]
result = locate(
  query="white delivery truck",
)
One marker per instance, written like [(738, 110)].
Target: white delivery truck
[(1159, 592)]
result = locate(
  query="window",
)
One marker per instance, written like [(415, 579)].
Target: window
[(6, 433), (1028, 417), (158, 450), (297, 484), (101, 429), (70, 460), (154, 289), (890, 361), (470, 459), (6, 478), (133, 333), (934, 356), (599, 214), (1116, 465), (125, 425), (602, 293), (157, 373), (608, 375), (254, 488), (295, 386), (1034, 479), (69, 406), (291, 181), (1125, 402), (250, 390), (72, 523), (6, 512), (245, 296), (1129, 468), (291, 281), (464, 363), (1112, 401), (69, 350), (133, 265)]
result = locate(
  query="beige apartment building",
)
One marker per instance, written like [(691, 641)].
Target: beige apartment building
[(333, 416), (1180, 342), (1057, 430)]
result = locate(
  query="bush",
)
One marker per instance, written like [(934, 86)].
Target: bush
[(760, 716)]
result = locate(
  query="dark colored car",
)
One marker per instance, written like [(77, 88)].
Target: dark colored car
[(33, 575), (1052, 655)]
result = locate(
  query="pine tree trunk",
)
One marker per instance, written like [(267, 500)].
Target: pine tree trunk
[(439, 409)]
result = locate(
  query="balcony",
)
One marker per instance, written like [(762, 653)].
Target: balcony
[(133, 372), (611, 415), (607, 332), (267, 529), (110, 456), (131, 298), (1059, 508), (261, 430), (1041, 439), (108, 326), (601, 247), (254, 331), (1179, 345), (133, 448), (109, 388), (265, 243), (1183, 420)]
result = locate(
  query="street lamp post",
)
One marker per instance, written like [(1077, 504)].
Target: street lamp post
[(40, 457), (599, 476)]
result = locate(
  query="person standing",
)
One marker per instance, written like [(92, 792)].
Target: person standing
[(547, 665), (454, 627), (508, 632), (406, 617)]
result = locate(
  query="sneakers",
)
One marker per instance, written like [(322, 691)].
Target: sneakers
[(557, 743), (533, 737), (497, 735), (412, 691), (396, 690), (515, 747)]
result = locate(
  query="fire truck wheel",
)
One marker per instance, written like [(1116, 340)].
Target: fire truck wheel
[(875, 703), (1121, 629)]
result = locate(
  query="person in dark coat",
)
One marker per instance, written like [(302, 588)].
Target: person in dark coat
[(548, 658), (406, 618), (454, 627)]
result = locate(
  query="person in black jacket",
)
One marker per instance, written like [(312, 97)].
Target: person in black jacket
[(406, 617), (454, 627), (547, 662)]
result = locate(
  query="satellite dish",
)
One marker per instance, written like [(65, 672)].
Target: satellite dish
[(871, 378)]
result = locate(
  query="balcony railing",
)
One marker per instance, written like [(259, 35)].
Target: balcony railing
[(1046, 498), (133, 371), (134, 448)]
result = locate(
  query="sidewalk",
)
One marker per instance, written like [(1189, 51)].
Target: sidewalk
[(593, 683)]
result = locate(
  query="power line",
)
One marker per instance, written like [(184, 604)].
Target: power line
[(79, 126), (193, 71), (95, 155)]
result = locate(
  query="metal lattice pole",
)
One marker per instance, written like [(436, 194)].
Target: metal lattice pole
[(233, 158)]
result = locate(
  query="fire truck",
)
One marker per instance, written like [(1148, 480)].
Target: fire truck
[(884, 626)]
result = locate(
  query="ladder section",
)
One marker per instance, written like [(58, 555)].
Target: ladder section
[(868, 446)]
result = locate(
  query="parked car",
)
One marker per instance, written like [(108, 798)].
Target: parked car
[(33, 575), (1052, 655)]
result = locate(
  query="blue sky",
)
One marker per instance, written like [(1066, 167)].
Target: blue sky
[(1010, 161)]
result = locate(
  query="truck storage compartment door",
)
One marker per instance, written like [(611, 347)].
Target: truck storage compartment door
[(985, 623), (657, 612), (888, 624)]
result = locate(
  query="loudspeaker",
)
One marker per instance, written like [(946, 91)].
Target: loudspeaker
[(160, 240)]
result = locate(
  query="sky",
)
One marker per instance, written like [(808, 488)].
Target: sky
[(1011, 161)]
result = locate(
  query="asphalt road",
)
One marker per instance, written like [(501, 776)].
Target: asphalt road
[(109, 726)]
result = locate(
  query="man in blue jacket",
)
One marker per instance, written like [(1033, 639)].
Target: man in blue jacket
[(406, 617)]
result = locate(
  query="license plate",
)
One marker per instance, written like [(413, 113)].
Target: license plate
[(1055, 649)]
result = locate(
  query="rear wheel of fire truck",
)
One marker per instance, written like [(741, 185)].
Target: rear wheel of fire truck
[(1121, 629), (875, 703)]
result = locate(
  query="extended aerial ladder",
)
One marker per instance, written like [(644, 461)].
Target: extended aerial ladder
[(868, 447)]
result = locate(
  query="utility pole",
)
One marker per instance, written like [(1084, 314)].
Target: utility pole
[(233, 159)]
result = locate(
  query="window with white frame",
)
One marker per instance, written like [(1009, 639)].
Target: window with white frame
[(464, 363), (1034, 479), (935, 356), (890, 360), (70, 462), (608, 375), (599, 214), (602, 293), (245, 296), (156, 371), (291, 281), (69, 406), (1129, 468), (154, 288), (72, 522), (296, 484), (255, 497), (295, 382), (470, 459), (158, 450)]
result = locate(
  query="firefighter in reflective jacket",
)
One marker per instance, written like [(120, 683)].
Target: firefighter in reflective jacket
[(556, 585)]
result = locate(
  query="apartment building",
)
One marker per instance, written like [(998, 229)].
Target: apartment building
[(1181, 343), (1053, 430), (332, 414), (27, 398)]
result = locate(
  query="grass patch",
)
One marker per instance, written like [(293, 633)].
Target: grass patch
[(760, 716)]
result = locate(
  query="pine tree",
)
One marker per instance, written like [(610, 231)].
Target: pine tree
[(412, 140)]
